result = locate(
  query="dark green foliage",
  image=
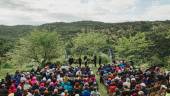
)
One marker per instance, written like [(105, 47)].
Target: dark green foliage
[(13, 32)]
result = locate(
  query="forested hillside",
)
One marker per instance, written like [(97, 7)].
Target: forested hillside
[(67, 29), (155, 32)]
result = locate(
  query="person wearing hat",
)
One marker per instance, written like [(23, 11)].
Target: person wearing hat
[(133, 83)]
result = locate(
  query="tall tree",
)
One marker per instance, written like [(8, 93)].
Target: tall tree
[(133, 47), (89, 42), (39, 47)]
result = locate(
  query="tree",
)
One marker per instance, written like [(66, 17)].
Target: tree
[(89, 43), (133, 47), (39, 47), (5, 46)]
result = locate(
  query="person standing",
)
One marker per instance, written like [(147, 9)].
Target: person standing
[(94, 60), (100, 60), (71, 60), (79, 61), (85, 60)]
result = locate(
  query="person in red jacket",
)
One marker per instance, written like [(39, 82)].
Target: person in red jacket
[(12, 89), (112, 89)]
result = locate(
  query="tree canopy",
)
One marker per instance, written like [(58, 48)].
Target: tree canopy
[(89, 37), (133, 47), (39, 47), (89, 43)]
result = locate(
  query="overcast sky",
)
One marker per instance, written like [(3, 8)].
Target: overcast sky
[(35, 12)]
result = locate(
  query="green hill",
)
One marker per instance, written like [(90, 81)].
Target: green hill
[(70, 29), (156, 32)]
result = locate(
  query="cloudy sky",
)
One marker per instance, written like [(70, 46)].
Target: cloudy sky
[(35, 12)]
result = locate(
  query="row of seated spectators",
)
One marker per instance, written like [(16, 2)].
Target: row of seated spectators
[(122, 79), (51, 80)]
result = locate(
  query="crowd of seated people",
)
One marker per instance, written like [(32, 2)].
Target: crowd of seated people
[(122, 79), (52, 80)]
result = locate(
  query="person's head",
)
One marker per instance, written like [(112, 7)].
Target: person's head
[(133, 79), (77, 95), (138, 87), (36, 91), (55, 91), (2, 86), (66, 92), (25, 92), (7, 73), (143, 85), (19, 87), (42, 84), (163, 88), (77, 84), (46, 92), (86, 84), (94, 88), (17, 72), (141, 93)]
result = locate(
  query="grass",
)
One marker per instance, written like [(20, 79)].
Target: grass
[(12, 70), (102, 88)]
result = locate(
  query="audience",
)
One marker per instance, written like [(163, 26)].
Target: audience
[(123, 79), (51, 80), (120, 79)]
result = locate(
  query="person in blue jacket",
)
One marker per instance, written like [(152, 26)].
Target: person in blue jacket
[(85, 93)]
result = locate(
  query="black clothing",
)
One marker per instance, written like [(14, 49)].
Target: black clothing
[(94, 60), (71, 61), (80, 61)]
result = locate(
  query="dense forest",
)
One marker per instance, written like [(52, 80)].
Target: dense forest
[(142, 41)]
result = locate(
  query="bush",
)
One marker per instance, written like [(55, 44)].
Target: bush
[(105, 58), (29, 66)]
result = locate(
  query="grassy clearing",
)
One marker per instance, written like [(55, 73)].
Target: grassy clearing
[(13, 69)]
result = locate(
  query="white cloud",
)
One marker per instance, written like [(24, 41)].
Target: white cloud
[(159, 12), (42, 11)]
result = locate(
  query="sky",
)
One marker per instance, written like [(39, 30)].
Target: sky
[(36, 12)]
